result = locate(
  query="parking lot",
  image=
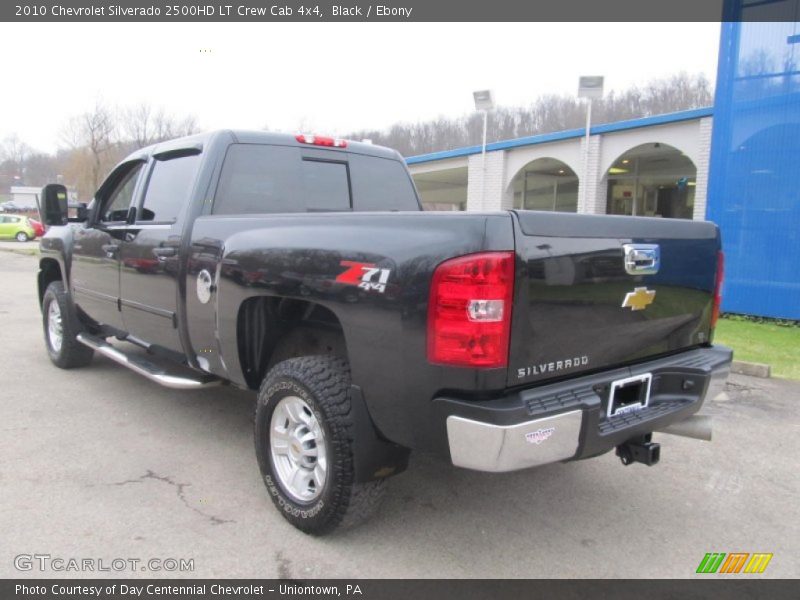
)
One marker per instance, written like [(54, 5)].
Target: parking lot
[(100, 463)]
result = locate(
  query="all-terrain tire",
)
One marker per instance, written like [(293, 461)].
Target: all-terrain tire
[(70, 353), (323, 384)]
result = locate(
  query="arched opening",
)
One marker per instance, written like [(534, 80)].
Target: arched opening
[(546, 184), (652, 180)]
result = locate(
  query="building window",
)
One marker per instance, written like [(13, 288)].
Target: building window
[(652, 180), (546, 184)]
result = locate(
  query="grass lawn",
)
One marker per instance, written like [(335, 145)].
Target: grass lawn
[(764, 343)]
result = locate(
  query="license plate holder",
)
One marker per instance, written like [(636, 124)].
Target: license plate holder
[(629, 395)]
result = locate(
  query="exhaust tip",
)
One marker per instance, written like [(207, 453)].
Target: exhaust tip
[(698, 427)]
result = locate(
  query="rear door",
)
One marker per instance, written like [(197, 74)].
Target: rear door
[(94, 278), (579, 308), (149, 254)]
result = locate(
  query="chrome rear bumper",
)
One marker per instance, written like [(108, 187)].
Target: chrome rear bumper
[(497, 448), (507, 434)]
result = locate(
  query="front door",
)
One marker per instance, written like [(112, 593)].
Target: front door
[(94, 279), (150, 253)]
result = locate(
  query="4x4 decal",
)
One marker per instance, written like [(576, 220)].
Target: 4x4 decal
[(364, 275)]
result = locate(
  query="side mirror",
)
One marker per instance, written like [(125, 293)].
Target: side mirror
[(53, 208)]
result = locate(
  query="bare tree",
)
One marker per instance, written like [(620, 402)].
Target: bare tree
[(14, 150), (93, 136), (13, 154), (143, 125)]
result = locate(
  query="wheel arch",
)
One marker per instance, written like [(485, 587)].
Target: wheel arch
[(270, 329), (49, 271)]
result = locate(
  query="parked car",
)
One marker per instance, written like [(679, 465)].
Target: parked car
[(16, 227), (304, 269), (38, 228), (13, 206)]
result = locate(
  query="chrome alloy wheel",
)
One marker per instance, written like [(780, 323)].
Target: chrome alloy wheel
[(297, 448), (55, 330)]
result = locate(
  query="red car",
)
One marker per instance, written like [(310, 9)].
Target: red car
[(37, 227)]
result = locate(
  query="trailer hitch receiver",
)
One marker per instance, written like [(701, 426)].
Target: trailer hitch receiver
[(640, 449)]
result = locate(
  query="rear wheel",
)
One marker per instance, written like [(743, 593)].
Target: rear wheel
[(304, 443), (21, 236), (61, 330)]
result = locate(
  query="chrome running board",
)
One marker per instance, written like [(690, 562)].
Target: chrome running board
[(144, 367)]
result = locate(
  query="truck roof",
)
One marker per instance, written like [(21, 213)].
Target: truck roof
[(197, 142)]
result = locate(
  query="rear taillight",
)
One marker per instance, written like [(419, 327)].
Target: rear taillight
[(469, 310), (718, 288), (320, 140)]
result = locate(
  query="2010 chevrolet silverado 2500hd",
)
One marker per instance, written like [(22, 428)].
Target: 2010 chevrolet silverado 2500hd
[(303, 268)]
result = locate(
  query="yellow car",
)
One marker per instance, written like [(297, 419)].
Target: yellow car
[(17, 227)]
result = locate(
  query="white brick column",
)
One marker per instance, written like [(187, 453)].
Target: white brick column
[(595, 203), (486, 193), (703, 161)]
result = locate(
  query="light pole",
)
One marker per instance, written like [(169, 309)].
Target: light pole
[(484, 102), (589, 87)]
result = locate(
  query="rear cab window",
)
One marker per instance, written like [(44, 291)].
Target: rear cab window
[(260, 178)]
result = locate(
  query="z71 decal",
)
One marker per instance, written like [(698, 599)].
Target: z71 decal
[(364, 275)]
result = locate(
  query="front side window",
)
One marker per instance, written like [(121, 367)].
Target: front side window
[(169, 189), (116, 206)]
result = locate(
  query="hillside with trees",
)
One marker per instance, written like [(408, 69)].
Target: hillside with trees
[(546, 114)]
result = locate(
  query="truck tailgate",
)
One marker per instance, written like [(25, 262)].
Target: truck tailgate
[(578, 308)]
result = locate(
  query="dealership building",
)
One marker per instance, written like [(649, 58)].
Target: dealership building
[(736, 163)]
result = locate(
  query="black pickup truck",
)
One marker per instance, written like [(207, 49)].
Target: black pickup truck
[(303, 268)]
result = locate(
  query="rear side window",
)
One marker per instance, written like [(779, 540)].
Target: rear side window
[(280, 179), (169, 188), (258, 179)]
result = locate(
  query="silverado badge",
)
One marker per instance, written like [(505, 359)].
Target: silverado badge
[(639, 299)]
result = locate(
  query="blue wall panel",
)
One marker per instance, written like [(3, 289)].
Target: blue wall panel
[(754, 184)]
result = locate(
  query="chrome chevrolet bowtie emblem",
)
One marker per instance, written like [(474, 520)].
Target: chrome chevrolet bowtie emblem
[(639, 299)]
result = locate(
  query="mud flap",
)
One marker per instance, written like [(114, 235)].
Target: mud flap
[(375, 457)]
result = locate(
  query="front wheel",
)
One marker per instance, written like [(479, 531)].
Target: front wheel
[(22, 236), (304, 443), (61, 330)]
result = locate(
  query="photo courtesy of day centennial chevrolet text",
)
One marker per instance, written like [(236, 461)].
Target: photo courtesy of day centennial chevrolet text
[(303, 268)]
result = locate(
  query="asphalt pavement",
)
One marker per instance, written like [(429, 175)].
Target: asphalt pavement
[(100, 464)]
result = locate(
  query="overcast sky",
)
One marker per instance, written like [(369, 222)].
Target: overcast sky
[(326, 77)]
